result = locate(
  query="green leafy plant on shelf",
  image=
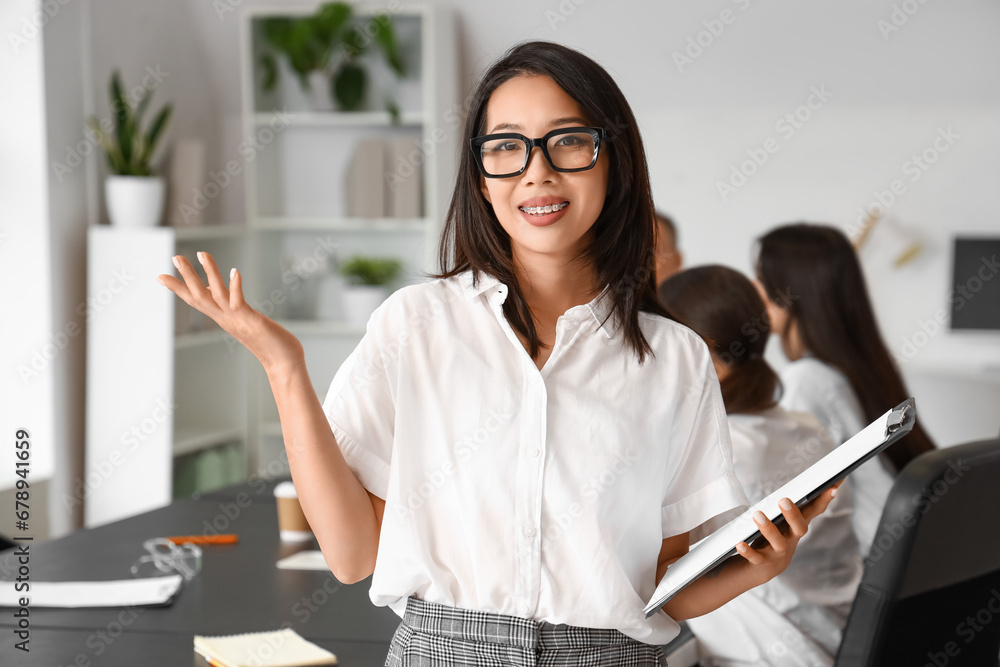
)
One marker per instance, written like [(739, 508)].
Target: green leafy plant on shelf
[(331, 41), (129, 149), (371, 271)]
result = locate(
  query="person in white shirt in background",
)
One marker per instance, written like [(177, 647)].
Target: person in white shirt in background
[(796, 619), (497, 453), (840, 370)]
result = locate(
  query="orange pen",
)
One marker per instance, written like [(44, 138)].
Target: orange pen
[(205, 539)]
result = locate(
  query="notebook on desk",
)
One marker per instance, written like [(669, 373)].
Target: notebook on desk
[(279, 648), (814, 480)]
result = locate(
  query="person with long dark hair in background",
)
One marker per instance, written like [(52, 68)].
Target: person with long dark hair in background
[(796, 619), (840, 370)]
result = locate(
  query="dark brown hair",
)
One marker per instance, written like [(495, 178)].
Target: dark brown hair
[(622, 237), (723, 307), (813, 272)]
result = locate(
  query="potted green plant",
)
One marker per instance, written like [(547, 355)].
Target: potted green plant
[(133, 193), (368, 280), (324, 51)]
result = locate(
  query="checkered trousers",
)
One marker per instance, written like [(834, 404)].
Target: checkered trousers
[(434, 635)]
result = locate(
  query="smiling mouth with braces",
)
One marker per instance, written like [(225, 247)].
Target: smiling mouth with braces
[(542, 210)]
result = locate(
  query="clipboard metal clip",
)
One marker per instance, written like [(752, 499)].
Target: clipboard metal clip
[(898, 417)]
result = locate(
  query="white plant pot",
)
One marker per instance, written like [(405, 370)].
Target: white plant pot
[(329, 297), (360, 301), (134, 201)]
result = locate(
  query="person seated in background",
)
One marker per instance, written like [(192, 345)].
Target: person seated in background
[(797, 617), (841, 370), (668, 258)]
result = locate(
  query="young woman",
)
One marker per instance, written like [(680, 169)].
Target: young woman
[(841, 370), (499, 451), (795, 619)]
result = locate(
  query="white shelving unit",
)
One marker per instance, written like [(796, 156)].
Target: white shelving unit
[(153, 394), (296, 214), (159, 366)]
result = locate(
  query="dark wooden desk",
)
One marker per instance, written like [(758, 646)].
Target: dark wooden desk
[(238, 590)]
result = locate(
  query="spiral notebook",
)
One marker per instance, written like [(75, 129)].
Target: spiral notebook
[(278, 648)]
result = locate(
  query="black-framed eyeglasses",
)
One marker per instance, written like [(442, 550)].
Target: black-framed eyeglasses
[(567, 150)]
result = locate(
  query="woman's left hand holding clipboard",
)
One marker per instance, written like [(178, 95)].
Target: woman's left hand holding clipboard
[(769, 560), (761, 563)]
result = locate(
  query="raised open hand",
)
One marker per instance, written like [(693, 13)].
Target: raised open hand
[(273, 345)]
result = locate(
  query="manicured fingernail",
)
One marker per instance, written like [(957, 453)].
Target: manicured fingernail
[(785, 504), (232, 273), (160, 280), (177, 264), (833, 493), (741, 548), (759, 518), (201, 257)]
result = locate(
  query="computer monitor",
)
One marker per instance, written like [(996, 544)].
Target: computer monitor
[(975, 289)]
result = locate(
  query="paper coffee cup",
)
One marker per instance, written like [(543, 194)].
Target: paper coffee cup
[(292, 524)]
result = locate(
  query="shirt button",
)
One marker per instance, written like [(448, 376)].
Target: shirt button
[(522, 609), (535, 452), (529, 531)]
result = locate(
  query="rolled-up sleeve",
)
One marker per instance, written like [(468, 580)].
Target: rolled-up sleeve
[(704, 493), (360, 404)]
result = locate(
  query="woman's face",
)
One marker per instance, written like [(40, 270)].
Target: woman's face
[(534, 105), (783, 325)]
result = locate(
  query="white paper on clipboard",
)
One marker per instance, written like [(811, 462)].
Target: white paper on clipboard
[(815, 479)]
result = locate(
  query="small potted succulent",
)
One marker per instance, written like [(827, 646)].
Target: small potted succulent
[(368, 280), (133, 193), (324, 50)]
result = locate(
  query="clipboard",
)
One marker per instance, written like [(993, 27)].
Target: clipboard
[(810, 483)]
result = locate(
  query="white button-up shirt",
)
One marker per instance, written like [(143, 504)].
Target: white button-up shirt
[(538, 493)]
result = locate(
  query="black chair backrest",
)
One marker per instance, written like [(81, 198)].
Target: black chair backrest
[(930, 594)]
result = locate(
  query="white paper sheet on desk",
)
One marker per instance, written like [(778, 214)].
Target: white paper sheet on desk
[(304, 560), (116, 593)]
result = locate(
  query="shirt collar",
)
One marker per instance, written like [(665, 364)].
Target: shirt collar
[(473, 286), (600, 308)]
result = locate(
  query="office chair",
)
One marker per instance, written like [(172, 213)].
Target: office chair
[(930, 593)]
